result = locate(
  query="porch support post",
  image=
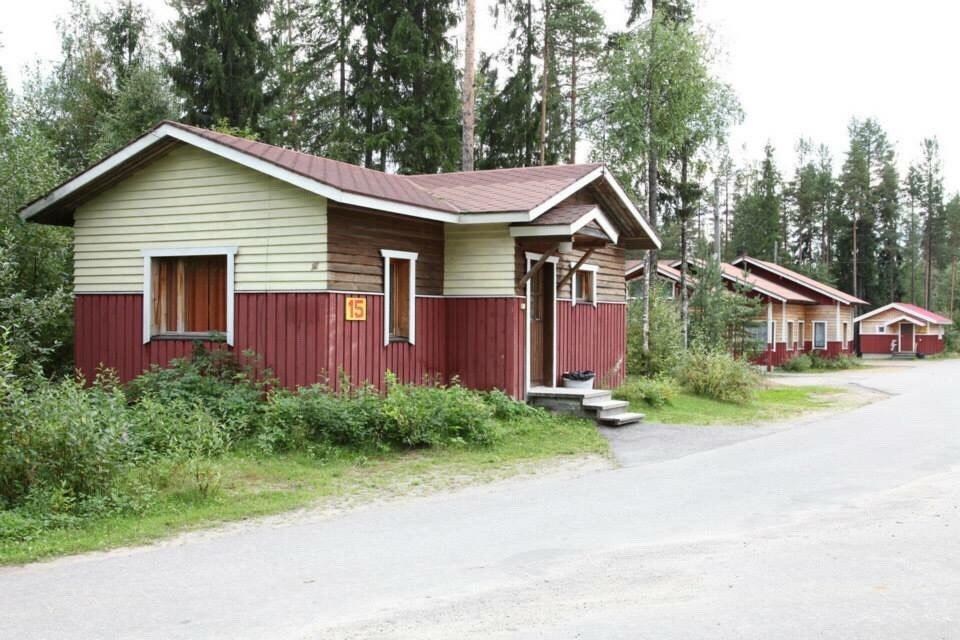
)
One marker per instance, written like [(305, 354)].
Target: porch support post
[(569, 274), (536, 267), (783, 326)]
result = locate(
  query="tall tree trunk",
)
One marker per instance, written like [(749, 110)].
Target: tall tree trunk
[(573, 105), (855, 251), (684, 221), (469, 69), (717, 249), (546, 80), (652, 189)]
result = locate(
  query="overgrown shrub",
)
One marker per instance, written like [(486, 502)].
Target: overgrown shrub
[(666, 335), (656, 391), (429, 415), (315, 415), (506, 408), (178, 429), (718, 375), (62, 447), (227, 388), (839, 362), (798, 363)]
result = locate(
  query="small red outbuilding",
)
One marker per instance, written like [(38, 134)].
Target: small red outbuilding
[(902, 328)]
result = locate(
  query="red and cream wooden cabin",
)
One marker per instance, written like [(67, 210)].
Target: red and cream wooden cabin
[(824, 325), (669, 276), (902, 329), (797, 314), (505, 278)]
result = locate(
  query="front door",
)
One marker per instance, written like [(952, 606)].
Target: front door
[(541, 326), (906, 336)]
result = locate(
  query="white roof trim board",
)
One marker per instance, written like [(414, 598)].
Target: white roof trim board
[(898, 307), (910, 319), (569, 229), (314, 186), (830, 295)]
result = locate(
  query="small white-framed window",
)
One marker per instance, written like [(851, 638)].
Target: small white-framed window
[(881, 328), (846, 334), (188, 292), (819, 334), (772, 334), (399, 296), (801, 338), (791, 343), (584, 284)]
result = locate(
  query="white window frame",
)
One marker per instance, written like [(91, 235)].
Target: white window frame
[(801, 338), (173, 252), (791, 337), (586, 268), (880, 329), (826, 338), (530, 260), (388, 255)]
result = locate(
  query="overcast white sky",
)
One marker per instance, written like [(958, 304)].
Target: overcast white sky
[(799, 68)]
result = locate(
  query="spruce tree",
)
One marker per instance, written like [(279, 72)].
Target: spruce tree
[(221, 61), (756, 219), (890, 256)]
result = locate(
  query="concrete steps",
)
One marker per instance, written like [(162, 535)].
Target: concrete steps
[(594, 404), (905, 355)]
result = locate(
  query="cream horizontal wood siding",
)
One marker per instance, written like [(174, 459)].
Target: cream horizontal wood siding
[(478, 260), (191, 198)]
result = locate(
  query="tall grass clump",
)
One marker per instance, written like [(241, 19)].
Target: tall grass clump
[(717, 374)]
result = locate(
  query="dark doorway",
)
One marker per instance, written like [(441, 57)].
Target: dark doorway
[(542, 326)]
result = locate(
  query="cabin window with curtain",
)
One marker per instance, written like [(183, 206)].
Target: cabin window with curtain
[(399, 278), (819, 335), (188, 292)]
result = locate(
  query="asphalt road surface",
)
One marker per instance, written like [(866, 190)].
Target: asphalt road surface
[(845, 526)]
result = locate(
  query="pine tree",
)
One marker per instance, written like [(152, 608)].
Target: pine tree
[(221, 61), (890, 257), (801, 193), (931, 206), (756, 219), (913, 190), (575, 29)]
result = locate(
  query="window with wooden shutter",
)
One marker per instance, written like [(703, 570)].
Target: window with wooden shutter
[(399, 299), (189, 295), (399, 280)]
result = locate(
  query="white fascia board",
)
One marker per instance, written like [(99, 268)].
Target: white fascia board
[(488, 218), (543, 230), (595, 215), (909, 319), (94, 172), (610, 180), (565, 193), (754, 287), (870, 314), (303, 182), (244, 159), (824, 292)]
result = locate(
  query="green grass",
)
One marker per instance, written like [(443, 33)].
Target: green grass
[(773, 403), (251, 485)]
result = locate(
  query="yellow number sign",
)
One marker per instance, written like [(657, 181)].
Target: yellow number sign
[(356, 308)]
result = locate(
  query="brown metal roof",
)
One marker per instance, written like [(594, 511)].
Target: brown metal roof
[(803, 281), (341, 175), (762, 285), (501, 190)]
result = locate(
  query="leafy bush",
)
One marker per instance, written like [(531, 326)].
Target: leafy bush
[(296, 420), (798, 364), (718, 375), (230, 391), (656, 391), (422, 415), (506, 408), (666, 335), (176, 429), (840, 362), (61, 446)]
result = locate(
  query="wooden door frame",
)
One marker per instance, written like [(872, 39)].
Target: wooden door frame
[(913, 337), (529, 260)]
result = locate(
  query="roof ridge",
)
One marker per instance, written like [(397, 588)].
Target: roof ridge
[(592, 165)]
